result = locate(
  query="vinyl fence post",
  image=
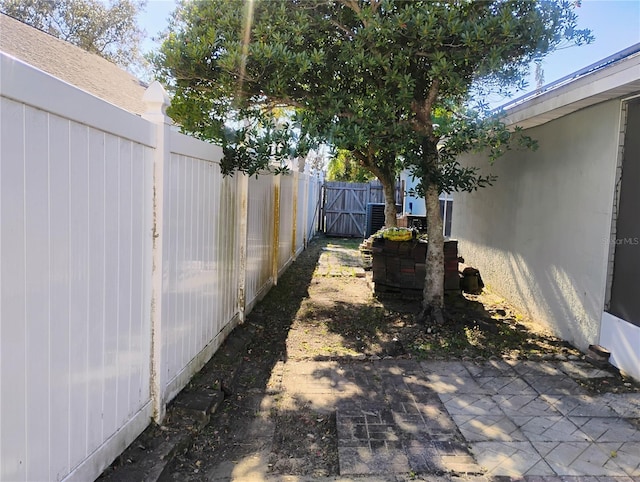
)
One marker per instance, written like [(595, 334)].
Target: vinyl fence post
[(156, 101), (305, 212), (276, 229), (243, 185), (321, 207), (294, 214)]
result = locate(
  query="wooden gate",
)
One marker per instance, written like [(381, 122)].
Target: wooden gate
[(344, 206)]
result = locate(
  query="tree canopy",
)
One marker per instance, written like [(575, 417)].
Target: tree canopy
[(387, 79), (110, 31), (343, 166)]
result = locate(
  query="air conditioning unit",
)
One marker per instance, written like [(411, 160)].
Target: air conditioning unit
[(375, 217)]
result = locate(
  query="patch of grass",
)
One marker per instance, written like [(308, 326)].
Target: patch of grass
[(347, 243)]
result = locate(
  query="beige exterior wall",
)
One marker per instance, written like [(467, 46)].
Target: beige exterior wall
[(540, 236)]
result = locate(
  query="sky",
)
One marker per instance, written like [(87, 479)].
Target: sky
[(614, 23)]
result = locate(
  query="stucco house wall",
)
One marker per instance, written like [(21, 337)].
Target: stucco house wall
[(540, 236)]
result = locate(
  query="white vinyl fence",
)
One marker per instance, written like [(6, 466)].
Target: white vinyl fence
[(125, 260)]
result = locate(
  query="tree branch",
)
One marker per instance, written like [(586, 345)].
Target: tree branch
[(423, 111), (346, 30), (364, 161), (353, 5), (432, 95)]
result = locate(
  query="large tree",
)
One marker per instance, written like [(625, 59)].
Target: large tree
[(109, 30), (376, 74)]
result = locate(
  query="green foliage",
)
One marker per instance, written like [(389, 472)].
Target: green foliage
[(464, 130), (109, 30), (345, 167), (384, 79), (368, 76), (262, 147)]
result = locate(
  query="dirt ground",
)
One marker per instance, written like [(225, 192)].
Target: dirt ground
[(327, 311)]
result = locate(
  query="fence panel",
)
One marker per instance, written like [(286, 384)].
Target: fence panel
[(301, 193), (287, 192), (313, 206), (75, 248), (345, 206), (200, 261), (259, 238), (77, 281), (376, 193)]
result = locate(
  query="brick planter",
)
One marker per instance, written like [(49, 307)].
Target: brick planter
[(399, 266)]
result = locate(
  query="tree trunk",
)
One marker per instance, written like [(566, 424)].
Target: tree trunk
[(388, 181), (390, 213), (433, 293)]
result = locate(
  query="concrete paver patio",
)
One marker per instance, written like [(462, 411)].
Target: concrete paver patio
[(518, 419)]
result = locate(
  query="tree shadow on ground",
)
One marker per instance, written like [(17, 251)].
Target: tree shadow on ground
[(260, 341), (475, 326), (240, 371)]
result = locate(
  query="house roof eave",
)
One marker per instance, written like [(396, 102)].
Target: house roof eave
[(612, 81)]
